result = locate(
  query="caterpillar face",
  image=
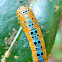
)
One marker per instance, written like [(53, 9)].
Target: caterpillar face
[(31, 28)]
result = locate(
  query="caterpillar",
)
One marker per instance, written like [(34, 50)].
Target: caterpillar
[(31, 28)]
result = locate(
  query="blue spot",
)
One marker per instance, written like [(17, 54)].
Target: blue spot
[(30, 24), (19, 15), (29, 20), (28, 10), (24, 21), (39, 54), (38, 42), (26, 26), (35, 37), (41, 60), (33, 32), (19, 20), (26, 16), (32, 28), (38, 48)]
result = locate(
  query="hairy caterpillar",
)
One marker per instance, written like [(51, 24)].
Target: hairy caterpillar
[(31, 28)]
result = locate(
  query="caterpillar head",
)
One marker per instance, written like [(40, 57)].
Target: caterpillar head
[(23, 13)]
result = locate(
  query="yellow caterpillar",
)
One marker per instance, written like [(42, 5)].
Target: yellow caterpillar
[(31, 28)]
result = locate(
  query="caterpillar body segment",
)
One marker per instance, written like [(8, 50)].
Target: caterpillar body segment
[(31, 28)]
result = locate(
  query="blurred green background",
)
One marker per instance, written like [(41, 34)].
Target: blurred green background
[(56, 54), (48, 15)]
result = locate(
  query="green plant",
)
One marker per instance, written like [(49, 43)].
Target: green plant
[(48, 17)]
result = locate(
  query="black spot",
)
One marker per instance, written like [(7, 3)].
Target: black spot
[(32, 37), (36, 48), (35, 31), (19, 12), (38, 54), (41, 46), (31, 32), (29, 25), (35, 43), (32, 24), (37, 34), (32, 18), (39, 41), (38, 59), (41, 53), (23, 12)]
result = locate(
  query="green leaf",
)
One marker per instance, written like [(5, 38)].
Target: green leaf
[(46, 16)]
